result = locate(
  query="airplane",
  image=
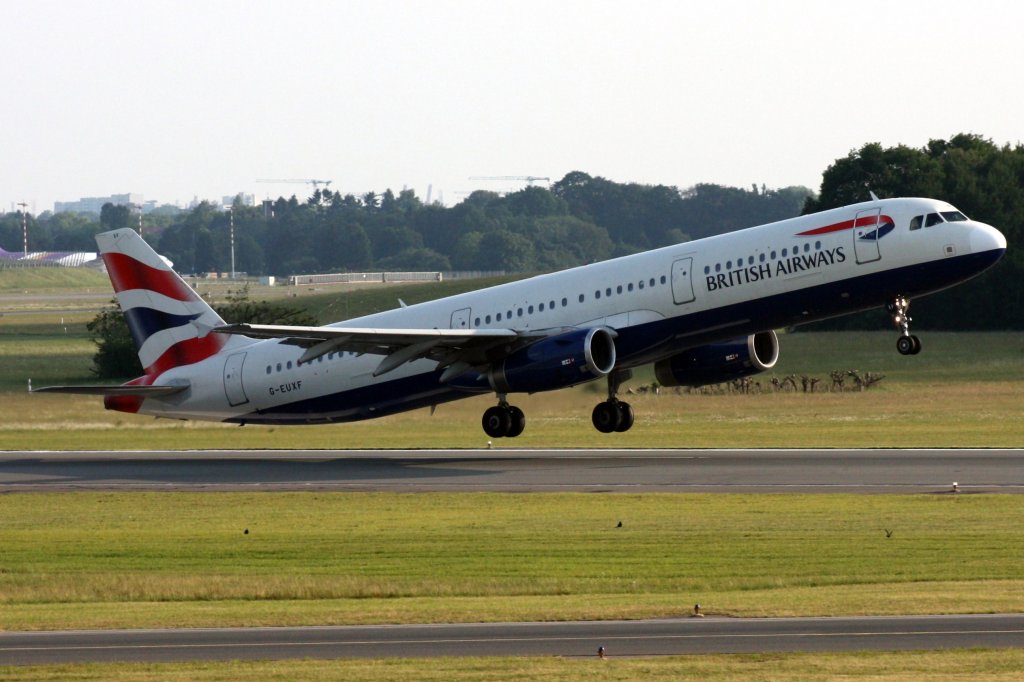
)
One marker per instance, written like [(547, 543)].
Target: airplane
[(68, 259), (702, 312)]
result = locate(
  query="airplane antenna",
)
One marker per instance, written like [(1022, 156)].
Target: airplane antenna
[(874, 197)]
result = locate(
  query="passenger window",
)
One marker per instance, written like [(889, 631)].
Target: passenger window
[(932, 219), (641, 284), (540, 308), (663, 279), (915, 222), (498, 317), (582, 297), (608, 291), (728, 265), (618, 289), (529, 310), (565, 301), (629, 287), (651, 282)]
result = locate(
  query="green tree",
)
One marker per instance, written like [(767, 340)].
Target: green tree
[(114, 217)]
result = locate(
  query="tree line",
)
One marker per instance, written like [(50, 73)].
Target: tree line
[(580, 219)]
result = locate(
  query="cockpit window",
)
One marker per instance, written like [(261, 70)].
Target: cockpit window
[(915, 222), (953, 216), (932, 219)]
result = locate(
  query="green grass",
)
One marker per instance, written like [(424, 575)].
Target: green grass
[(909, 665), (156, 560), (52, 280)]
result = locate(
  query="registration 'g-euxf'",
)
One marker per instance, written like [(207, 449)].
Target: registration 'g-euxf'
[(701, 312)]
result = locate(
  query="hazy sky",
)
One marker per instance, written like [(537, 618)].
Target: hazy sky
[(178, 99)]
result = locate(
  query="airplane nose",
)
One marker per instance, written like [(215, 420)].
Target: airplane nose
[(986, 238)]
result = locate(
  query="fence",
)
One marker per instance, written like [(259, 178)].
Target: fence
[(378, 277)]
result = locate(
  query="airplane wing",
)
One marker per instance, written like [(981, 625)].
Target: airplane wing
[(458, 350)]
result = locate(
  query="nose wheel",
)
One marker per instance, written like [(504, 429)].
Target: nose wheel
[(614, 415), (907, 343), (503, 420)]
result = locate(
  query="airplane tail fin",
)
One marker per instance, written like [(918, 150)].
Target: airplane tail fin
[(169, 321)]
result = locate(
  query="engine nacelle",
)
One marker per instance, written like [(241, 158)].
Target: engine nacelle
[(718, 362), (556, 362)]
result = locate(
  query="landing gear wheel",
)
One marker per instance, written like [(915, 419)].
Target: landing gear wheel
[(625, 417), (606, 417), (497, 421), (908, 345), (517, 421)]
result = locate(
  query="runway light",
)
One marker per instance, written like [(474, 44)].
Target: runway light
[(600, 652), (956, 487), (696, 611)]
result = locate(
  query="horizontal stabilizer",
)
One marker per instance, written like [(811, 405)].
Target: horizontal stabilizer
[(140, 391)]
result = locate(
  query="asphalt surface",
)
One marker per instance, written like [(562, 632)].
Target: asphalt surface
[(860, 471), (573, 639)]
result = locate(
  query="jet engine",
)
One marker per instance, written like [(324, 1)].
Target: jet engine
[(718, 362), (556, 362)]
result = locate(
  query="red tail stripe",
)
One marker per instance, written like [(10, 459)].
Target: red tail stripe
[(185, 353), (126, 273)]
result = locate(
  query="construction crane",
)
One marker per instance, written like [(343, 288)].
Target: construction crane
[(306, 181), (528, 179)]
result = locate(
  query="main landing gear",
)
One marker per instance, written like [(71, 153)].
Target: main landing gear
[(907, 343), (613, 415), (503, 420)]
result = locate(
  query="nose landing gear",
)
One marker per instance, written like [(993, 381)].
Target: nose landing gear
[(503, 420), (907, 343)]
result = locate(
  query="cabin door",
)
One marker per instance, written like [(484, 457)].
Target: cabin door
[(460, 318), (682, 281), (233, 380), (865, 236)]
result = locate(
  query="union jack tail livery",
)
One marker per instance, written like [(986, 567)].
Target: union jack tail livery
[(169, 321)]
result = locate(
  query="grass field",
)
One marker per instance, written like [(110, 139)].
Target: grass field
[(93, 560), (912, 665)]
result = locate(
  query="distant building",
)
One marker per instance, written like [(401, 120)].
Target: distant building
[(246, 199), (95, 204)]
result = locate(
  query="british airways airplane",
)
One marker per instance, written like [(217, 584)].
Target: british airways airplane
[(701, 312)]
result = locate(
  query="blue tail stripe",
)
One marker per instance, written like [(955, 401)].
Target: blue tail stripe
[(144, 322)]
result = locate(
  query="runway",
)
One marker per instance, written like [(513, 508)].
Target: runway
[(573, 639), (510, 470)]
